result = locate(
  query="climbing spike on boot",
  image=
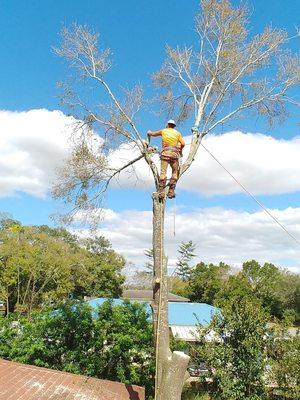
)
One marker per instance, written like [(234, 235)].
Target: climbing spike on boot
[(171, 192)]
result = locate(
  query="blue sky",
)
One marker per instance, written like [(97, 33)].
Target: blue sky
[(136, 31)]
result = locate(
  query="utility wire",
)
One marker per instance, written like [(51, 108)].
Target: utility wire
[(252, 196)]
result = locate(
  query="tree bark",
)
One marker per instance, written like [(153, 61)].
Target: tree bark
[(7, 305), (170, 367)]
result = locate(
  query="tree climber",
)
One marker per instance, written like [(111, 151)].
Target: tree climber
[(172, 145)]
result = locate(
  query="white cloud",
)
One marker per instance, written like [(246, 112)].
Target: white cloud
[(138, 175), (221, 235), (34, 143), (263, 164)]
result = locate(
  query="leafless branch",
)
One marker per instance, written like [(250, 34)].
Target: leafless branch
[(227, 69)]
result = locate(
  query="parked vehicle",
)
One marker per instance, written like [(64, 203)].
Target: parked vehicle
[(198, 369)]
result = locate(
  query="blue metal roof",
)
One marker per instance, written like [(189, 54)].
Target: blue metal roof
[(100, 300), (180, 313), (191, 313)]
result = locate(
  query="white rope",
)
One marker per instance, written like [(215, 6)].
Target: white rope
[(174, 217)]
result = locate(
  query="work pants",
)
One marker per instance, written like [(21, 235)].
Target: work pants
[(174, 164)]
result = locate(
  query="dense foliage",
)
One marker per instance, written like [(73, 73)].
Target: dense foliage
[(277, 290), (41, 265), (186, 253), (284, 356), (249, 358), (207, 281), (238, 363), (114, 342)]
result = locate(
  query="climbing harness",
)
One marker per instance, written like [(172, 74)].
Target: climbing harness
[(170, 153)]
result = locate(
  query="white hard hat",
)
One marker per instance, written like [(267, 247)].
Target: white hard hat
[(171, 121)]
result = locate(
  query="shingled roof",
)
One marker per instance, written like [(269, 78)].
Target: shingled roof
[(26, 382)]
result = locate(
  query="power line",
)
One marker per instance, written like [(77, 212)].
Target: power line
[(252, 196)]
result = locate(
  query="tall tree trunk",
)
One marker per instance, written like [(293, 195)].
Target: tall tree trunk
[(170, 366), (10, 303), (7, 305)]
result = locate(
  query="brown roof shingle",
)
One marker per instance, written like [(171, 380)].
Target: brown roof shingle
[(26, 382)]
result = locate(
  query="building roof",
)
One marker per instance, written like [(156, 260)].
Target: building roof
[(26, 382), (191, 314), (191, 333), (148, 295), (180, 313)]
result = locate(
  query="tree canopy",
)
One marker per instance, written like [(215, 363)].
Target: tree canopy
[(277, 289), (113, 342), (42, 265)]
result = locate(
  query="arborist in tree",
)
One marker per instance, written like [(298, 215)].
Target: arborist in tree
[(172, 145)]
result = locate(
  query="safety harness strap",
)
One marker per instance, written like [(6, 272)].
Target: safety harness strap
[(169, 153), (171, 148)]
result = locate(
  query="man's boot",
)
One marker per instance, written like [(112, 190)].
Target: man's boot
[(161, 188), (172, 185)]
